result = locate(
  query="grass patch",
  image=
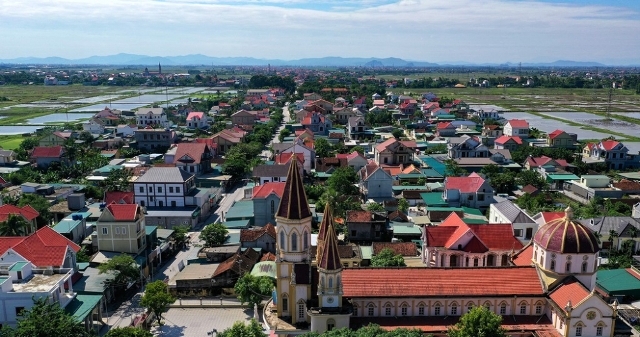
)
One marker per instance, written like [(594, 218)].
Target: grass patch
[(10, 142)]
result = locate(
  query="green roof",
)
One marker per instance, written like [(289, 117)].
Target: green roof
[(323, 175), (18, 266), (237, 223), (473, 211), (556, 176), (431, 173), (406, 230), (265, 268), (631, 175), (367, 252), (410, 175), (444, 209), (150, 229), (433, 163), (66, 225), (82, 305), (242, 209), (471, 221), (108, 168), (82, 265), (433, 199), (618, 281), (409, 188)]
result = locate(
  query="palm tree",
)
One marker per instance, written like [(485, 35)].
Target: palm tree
[(14, 226), (613, 235)]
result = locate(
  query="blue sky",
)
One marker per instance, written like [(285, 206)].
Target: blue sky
[(428, 30)]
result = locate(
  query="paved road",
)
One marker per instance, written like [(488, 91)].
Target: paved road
[(287, 117)]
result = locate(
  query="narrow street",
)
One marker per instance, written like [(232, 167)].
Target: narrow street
[(266, 153)]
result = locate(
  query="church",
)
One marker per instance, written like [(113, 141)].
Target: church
[(547, 290)]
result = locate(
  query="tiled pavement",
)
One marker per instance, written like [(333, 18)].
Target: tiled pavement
[(198, 322)]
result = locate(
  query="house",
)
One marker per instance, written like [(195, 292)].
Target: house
[(326, 106), (591, 186), (7, 157), (44, 156), (533, 163), (226, 139), (27, 213), (271, 173), (453, 243), (506, 212), (625, 228), (93, 126), (471, 191), (73, 227), (366, 226), (243, 117), (164, 187), (466, 147), (299, 147), (484, 115), (493, 131), (259, 237), (393, 152), (108, 117), (357, 129), (330, 164), (154, 139), (561, 139), (445, 129), (516, 127), (119, 197), (375, 182), (610, 152), (354, 160), (342, 116), (197, 120), (510, 143), (152, 117), (193, 157), (266, 199), (57, 138), (317, 123), (121, 228), (234, 267), (124, 130)]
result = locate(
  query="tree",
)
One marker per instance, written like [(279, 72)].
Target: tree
[(387, 258), (527, 177), (253, 290), (82, 255), (375, 207), (118, 180), (452, 169), (47, 319), (125, 267), (322, 147), (156, 298), (214, 234), (358, 149), (343, 181), (38, 203), (283, 134), (368, 331), (128, 331), (478, 322), (253, 329), (15, 225), (397, 133), (403, 205), (180, 234)]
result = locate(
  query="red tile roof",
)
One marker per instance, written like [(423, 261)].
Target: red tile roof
[(118, 197), (123, 212), (609, 144), (475, 246), (27, 212), (267, 189), (44, 248), (195, 114), (383, 146), (497, 236), (402, 248), (457, 282), (555, 134), (469, 184), (485, 237), (359, 216), (443, 125), (194, 151), (523, 257), (437, 236), (283, 158), (504, 139), (268, 257), (47, 152), (627, 185), (548, 216), (518, 123), (253, 234), (569, 291)]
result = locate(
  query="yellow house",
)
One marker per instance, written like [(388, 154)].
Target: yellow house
[(561, 139), (121, 228), (56, 138)]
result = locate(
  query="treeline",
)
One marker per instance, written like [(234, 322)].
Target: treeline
[(263, 81)]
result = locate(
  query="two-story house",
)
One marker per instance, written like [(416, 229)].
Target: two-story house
[(243, 117), (341, 116), (561, 139), (506, 212), (375, 182), (93, 126), (317, 123), (357, 129), (445, 129), (121, 228), (154, 139), (466, 147), (611, 152), (394, 152), (516, 127), (163, 187), (259, 237), (266, 200), (193, 157), (226, 139), (354, 160), (108, 117), (152, 117), (510, 143), (197, 120), (471, 191), (57, 138), (366, 226), (44, 156)]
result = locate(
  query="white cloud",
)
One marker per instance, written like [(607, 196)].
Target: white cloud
[(430, 30)]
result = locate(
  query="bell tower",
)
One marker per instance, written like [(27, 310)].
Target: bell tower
[(293, 259)]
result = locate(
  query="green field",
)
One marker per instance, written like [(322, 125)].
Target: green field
[(10, 142)]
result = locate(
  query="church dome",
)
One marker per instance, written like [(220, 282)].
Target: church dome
[(566, 236)]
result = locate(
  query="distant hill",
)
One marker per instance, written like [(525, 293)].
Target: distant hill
[(331, 61)]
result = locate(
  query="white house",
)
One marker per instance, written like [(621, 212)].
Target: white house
[(126, 130), (163, 186), (197, 120), (152, 116), (93, 126), (516, 127), (507, 212)]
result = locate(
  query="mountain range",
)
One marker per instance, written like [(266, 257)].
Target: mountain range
[(123, 59)]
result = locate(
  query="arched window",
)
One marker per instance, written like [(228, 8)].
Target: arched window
[(370, 309), (553, 265), (585, 265), (301, 309), (523, 308), (538, 308), (387, 309), (475, 261), (294, 242), (491, 260), (273, 207), (568, 267), (355, 310), (283, 241), (579, 327), (487, 305), (421, 307), (330, 282), (535, 255), (404, 309), (503, 308), (454, 308), (505, 260), (331, 323), (436, 309), (305, 240), (453, 260), (599, 328), (470, 306), (285, 302)]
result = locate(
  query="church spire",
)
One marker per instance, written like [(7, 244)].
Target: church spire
[(294, 205), (330, 258), (327, 220)]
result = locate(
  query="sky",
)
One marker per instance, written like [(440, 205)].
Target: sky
[(477, 31)]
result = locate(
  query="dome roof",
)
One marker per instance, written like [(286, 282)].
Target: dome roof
[(563, 235)]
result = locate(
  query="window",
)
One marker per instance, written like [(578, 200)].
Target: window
[(177, 189), (19, 311), (305, 241), (285, 303), (517, 232), (538, 309), (273, 207), (160, 203), (105, 230), (454, 309), (330, 282), (370, 310), (480, 197), (475, 261), (387, 310), (503, 309), (523, 309), (469, 307), (355, 310), (436, 310), (598, 331), (159, 189), (300, 310), (117, 230), (170, 189), (579, 331), (470, 197), (353, 232), (568, 267), (282, 241), (141, 189), (142, 203), (553, 264), (421, 310), (294, 242), (124, 230), (151, 189), (404, 311), (331, 324), (584, 266)]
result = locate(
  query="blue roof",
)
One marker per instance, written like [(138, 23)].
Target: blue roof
[(242, 209), (434, 164), (237, 223), (66, 225), (150, 229)]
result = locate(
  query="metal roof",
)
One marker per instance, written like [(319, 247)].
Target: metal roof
[(164, 175), (512, 212)]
